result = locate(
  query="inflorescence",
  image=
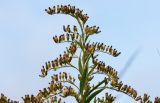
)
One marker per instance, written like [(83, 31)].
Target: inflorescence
[(63, 84), (68, 9), (111, 80), (4, 99)]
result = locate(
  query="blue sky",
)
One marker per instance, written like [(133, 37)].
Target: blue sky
[(26, 33)]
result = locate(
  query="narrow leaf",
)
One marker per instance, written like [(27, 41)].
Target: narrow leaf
[(86, 38), (100, 83), (92, 69), (80, 64), (93, 95)]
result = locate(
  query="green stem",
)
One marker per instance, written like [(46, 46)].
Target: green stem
[(73, 67), (83, 54), (69, 83), (81, 27)]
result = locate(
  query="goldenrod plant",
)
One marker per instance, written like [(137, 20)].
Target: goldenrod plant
[(85, 52)]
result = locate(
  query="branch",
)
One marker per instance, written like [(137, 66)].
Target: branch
[(70, 83), (111, 88), (59, 68)]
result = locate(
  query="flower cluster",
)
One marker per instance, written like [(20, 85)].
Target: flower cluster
[(58, 62), (127, 90), (68, 91), (31, 99), (72, 49), (66, 38), (101, 48), (71, 35), (91, 30), (109, 71), (52, 90), (68, 9), (118, 86), (90, 48), (44, 93), (145, 99), (101, 67), (63, 60), (112, 74), (4, 99), (55, 99), (107, 99), (157, 100), (59, 39), (56, 87), (133, 93), (68, 29), (63, 76)]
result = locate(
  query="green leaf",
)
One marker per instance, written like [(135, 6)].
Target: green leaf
[(80, 65), (92, 69), (86, 38), (93, 95), (100, 83), (84, 74)]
